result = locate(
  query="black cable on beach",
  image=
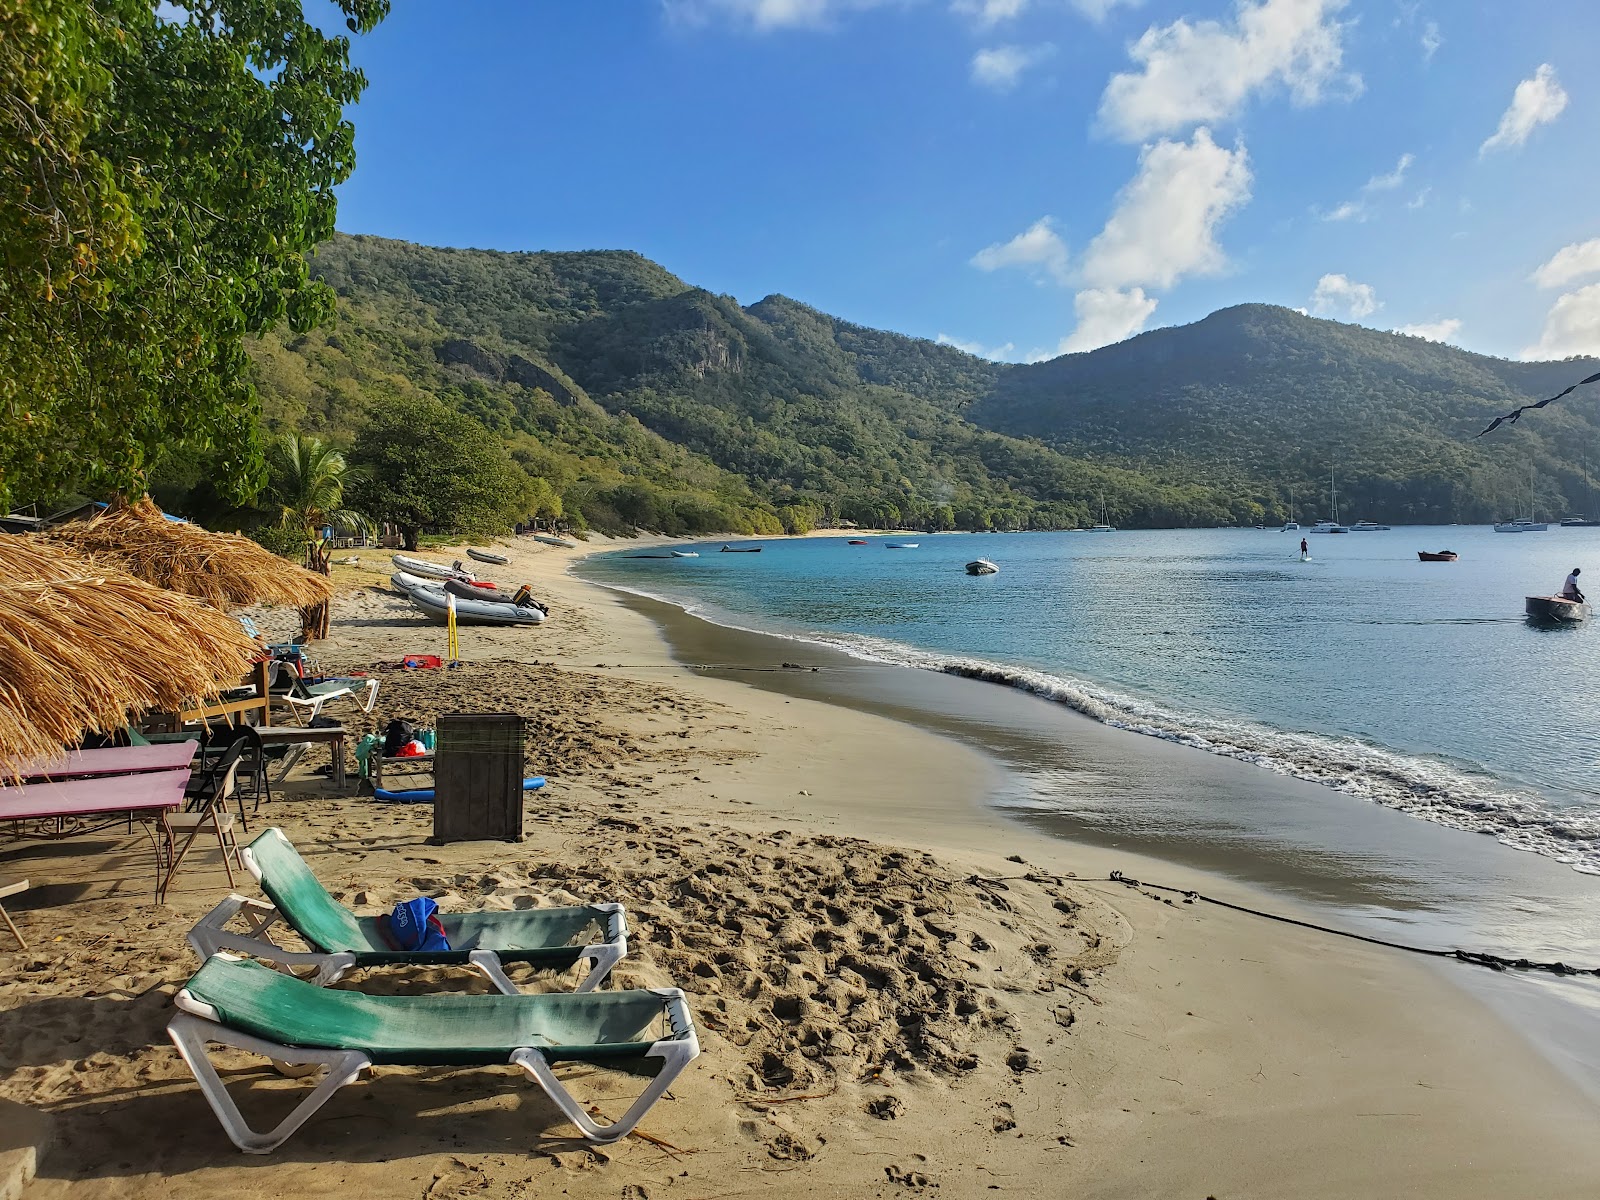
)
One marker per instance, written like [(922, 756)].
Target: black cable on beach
[(1494, 962)]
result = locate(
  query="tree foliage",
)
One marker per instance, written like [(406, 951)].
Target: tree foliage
[(306, 481), (161, 179), (424, 467)]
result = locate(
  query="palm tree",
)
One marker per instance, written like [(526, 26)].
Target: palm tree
[(306, 481)]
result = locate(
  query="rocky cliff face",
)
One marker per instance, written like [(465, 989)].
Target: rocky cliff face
[(491, 365)]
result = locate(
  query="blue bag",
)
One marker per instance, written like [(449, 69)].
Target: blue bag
[(415, 925)]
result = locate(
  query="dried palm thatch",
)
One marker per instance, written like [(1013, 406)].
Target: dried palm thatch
[(80, 646), (223, 569)]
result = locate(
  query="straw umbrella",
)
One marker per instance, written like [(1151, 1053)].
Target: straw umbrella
[(223, 569), (81, 645)]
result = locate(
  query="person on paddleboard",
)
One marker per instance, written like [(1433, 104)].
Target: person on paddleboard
[(1304, 549), (1569, 589)]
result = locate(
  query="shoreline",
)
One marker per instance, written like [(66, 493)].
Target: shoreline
[(1033, 1031)]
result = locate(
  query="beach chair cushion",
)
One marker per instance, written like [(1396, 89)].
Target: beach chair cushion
[(615, 1028), (299, 895)]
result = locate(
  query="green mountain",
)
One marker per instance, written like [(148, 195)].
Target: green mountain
[(1286, 397), (643, 400)]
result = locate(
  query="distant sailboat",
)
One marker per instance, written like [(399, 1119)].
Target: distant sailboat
[(1333, 525), (1524, 524), (1103, 527)]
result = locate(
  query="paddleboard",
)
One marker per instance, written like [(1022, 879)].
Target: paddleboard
[(425, 795)]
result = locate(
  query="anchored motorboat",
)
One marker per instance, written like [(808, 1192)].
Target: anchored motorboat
[(982, 566), (1437, 555)]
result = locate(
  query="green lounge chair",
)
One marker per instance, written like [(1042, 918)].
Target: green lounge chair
[(234, 1002), (548, 938)]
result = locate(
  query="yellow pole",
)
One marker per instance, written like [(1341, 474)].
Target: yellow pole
[(453, 650)]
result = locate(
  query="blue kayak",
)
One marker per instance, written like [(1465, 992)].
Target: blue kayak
[(425, 795)]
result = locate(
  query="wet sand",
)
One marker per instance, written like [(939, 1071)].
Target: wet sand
[(899, 989)]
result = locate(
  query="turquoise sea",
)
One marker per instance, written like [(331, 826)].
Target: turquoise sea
[(1416, 686)]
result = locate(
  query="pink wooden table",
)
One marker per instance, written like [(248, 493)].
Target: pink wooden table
[(71, 805), (114, 760)]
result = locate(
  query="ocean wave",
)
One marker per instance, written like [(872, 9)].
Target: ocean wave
[(1432, 789)]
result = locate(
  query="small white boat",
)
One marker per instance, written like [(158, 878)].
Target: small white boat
[(405, 583), (1555, 608), (484, 556), (901, 545), (1101, 529), (1367, 527), (982, 566), (436, 604), (430, 570), (1290, 527), (555, 541), (685, 554), (1522, 525)]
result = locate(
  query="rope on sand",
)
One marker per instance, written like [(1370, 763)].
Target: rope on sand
[(1494, 962)]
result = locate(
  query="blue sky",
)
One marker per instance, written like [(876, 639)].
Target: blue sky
[(1021, 177)]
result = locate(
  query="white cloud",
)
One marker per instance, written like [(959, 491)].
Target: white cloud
[(1002, 66), (1037, 248), (1569, 263), (990, 12), (1193, 74), (1165, 223), (1392, 179), (1443, 330), (1099, 10), (1107, 315), (1420, 199), (1537, 101), (995, 353), (1572, 326), (1337, 294), (1356, 210), (765, 15), (1431, 41)]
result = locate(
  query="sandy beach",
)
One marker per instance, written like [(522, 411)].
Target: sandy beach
[(898, 990)]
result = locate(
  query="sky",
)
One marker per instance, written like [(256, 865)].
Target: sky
[(1021, 178)]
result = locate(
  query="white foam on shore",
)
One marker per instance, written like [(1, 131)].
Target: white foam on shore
[(1430, 788)]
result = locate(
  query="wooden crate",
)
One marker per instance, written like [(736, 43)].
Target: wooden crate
[(477, 778)]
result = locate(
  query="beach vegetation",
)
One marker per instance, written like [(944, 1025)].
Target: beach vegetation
[(163, 172), (423, 465)]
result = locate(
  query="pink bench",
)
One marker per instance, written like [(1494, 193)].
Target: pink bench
[(57, 809)]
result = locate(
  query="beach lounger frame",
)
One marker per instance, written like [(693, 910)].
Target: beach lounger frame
[(211, 935), (199, 1023)]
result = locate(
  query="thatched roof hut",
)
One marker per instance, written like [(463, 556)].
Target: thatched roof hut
[(81, 646), (223, 569)]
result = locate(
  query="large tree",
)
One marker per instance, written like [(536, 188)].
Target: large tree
[(423, 465), (162, 176)]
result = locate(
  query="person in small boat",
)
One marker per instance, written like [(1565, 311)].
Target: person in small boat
[(1569, 589)]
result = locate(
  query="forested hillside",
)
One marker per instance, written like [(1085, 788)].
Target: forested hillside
[(642, 400), (1286, 397)]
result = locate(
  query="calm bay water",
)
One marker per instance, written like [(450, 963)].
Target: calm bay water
[(1418, 686)]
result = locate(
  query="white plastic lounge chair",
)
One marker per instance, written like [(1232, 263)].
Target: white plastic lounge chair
[(234, 1002), (308, 699), (548, 938)]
